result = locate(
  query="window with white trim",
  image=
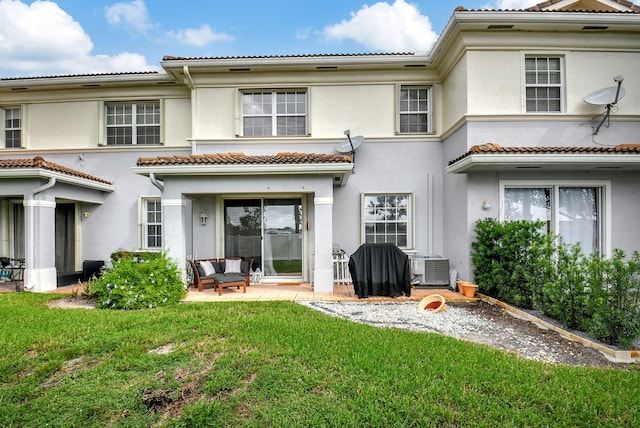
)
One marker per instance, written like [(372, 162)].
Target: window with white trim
[(132, 123), (276, 113), (575, 212), (543, 84), (387, 218), (12, 127), (151, 223), (414, 109)]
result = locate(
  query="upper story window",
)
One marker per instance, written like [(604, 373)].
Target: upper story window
[(12, 127), (414, 110), (543, 84), (277, 113), (133, 123), (387, 218)]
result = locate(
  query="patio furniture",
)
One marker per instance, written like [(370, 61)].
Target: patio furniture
[(380, 270), (221, 273)]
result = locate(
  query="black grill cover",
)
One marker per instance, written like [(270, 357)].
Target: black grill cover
[(380, 270)]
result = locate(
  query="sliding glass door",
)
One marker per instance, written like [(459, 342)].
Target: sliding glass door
[(269, 230)]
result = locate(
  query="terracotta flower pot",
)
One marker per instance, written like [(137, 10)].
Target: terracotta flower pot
[(462, 285), (432, 304), (469, 290)]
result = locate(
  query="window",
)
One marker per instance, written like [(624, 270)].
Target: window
[(543, 84), (152, 223), (12, 128), (266, 114), (574, 212), (414, 110), (387, 218), (133, 123)]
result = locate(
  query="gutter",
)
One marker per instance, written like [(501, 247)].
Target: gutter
[(154, 180)]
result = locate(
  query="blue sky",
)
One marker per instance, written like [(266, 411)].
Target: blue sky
[(100, 36)]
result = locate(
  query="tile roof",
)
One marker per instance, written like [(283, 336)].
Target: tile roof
[(40, 162), (492, 148), (541, 7), (66, 76), (242, 159), (328, 55)]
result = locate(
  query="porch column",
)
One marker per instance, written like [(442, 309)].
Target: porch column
[(40, 251), (173, 227), (323, 266)]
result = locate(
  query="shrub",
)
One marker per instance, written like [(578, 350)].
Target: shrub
[(137, 281), (614, 299), (564, 293), (505, 258)]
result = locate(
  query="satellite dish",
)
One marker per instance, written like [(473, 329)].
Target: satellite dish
[(350, 145), (607, 97)]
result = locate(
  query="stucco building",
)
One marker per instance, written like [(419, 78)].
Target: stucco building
[(244, 156)]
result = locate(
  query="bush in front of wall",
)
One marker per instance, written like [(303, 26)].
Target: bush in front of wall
[(506, 259), (565, 291), (138, 281), (613, 301)]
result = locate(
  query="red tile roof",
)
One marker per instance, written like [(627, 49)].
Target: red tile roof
[(242, 159), (540, 7), (492, 148), (40, 162)]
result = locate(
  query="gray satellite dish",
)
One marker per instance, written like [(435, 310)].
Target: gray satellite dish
[(350, 145), (607, 97)]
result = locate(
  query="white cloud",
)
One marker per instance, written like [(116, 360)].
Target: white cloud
[(198, 36), (397, 27), (133, 15), (42, 39), (515, 4)]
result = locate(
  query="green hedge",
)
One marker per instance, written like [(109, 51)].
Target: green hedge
[(518, 263)]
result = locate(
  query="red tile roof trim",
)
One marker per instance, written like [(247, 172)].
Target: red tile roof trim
[(492, 148), (242, 159), (40, 162)]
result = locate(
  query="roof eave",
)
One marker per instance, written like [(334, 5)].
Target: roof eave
[(242, 63), (502, 161), (60, 178), (340, 170)]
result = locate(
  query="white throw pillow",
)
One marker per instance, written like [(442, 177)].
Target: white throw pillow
[(208, 268), (232, 266)]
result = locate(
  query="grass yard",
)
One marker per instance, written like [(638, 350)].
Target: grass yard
[(277, 364)]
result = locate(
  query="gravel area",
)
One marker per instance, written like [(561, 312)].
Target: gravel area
[(478, 322)]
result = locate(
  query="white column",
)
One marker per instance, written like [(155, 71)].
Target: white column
[(323, 266), (40, 252), (173, 230)]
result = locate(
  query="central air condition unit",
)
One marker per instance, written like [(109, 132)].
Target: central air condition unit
[(433, 270)]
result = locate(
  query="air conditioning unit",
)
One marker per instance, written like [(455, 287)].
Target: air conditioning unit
[(432, 270)]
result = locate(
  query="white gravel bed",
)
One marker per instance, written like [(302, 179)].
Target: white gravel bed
[(456, 321)]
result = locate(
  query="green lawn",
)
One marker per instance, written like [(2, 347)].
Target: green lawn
[(277, 364)]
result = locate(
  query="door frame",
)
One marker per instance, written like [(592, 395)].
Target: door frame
[(220, 230)]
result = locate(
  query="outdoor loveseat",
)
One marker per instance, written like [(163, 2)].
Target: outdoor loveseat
[(221, 273)]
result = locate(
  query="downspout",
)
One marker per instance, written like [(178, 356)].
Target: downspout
[(159, 184), (194, 105), (31, 222)]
